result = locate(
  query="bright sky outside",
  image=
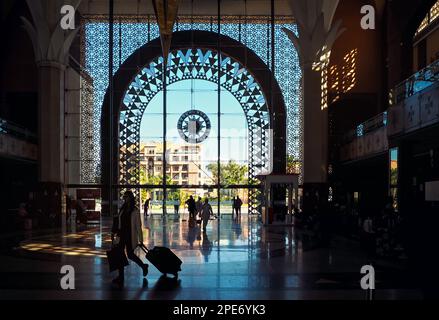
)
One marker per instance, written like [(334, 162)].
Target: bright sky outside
[(234, 131)]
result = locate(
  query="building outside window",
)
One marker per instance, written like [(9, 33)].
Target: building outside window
[(393, 174)]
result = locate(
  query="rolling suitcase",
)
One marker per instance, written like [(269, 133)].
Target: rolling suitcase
[(163, 259)]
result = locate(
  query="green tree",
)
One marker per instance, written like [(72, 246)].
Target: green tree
[(173, 194), (293, 165), (230, 173)]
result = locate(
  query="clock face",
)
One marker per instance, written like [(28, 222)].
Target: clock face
[(194, 126)]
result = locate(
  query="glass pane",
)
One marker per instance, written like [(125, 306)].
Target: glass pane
[(156, 201), (192, 135), (229, 201), (394, 167), (151, 143), (234, 141)]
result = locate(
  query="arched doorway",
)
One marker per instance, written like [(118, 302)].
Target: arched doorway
[(194, 55)]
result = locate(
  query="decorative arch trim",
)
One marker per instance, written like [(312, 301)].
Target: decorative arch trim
[(185, 64)]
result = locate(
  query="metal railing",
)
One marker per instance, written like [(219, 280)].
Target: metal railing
[(417, 82), (366, 127), (15, 130)]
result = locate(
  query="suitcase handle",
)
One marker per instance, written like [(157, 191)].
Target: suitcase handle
[(143, 247)]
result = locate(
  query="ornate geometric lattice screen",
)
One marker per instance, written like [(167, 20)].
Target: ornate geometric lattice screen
[(89, 167), (130, 33)]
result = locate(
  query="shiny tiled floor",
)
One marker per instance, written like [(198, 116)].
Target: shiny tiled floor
[(232, 260)]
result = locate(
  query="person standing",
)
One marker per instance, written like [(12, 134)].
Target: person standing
[(199, 206), (233, 206), (238, 207), (146, 207), (129, 230), (206, 211), (192, 209), (81, 212), (176, 206), (22, 217), (68, 208)]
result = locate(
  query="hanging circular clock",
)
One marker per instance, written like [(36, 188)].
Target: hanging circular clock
[(194, 126)]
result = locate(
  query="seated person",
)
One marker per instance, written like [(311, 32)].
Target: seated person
[(22, 215), (81, 209)]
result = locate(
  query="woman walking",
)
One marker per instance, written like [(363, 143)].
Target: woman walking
[(129, 230)]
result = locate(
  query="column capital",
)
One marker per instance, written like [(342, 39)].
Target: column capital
[(50, 42), (317, 32)]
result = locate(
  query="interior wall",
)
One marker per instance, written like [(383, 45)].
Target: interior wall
[(384, 55), (19, 79), (402, 19), (367, 42), (433, 46), (356, 78), (432, 54), (18, 104)]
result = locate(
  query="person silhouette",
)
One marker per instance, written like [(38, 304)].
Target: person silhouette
[(191, 206), (192, 209), (129, 229), (206, 211), (146, 207), (238, 204), (199, 206), (177, 206)]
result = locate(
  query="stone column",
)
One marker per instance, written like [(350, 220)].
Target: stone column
[(51, 47), (51, 121), (316, 37)]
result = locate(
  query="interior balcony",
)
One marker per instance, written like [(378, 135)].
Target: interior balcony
[(366, 140), (415, 102), (17, 141), (414, 105)]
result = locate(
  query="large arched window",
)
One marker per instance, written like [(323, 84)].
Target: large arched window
[(196, 64), (131, 33)]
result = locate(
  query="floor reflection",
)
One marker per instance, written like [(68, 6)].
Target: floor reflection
[(231, 260), (192, 244)]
